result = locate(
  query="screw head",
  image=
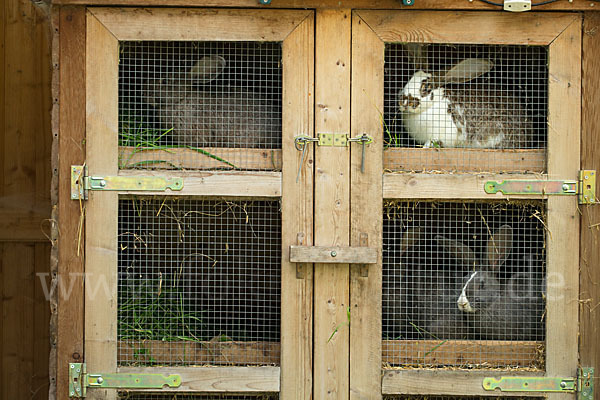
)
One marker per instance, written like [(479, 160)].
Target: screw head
[(563, 385), (565, 186), (333, 253), (99, 380), (103, 183), (72, 366)]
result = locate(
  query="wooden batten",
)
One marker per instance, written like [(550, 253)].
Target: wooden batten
[(332, 204), (71, 148), (589, 350)]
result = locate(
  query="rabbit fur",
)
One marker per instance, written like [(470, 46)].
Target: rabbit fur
[(499, 309), (222, 117), (438, 110), (468, 301)]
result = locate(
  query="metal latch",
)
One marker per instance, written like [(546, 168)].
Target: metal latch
[(81, 183), (80, 380), (517, 5), (333, 139), (582, 384), (584, 187)]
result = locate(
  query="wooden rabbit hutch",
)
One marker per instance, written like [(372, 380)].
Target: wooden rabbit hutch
[(322, 199)]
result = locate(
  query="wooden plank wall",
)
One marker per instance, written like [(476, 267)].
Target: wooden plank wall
[(25, 140)]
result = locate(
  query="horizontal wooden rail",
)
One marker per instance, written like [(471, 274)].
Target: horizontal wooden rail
[(473, 353), (216, 183), (216, 379), (333, 254)]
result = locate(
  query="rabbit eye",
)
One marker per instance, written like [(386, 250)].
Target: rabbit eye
[(426, 88)]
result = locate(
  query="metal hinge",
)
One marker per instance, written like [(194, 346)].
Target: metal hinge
[(81, 183), (80, 380), (584, 187), (517, 5), (582, 384)]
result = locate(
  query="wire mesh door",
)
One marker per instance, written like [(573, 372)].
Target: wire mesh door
[(473, 284), (195, 278)]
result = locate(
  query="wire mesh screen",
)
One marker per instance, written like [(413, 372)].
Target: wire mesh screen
[(199, 282), (447, 106), (185, 396), (464, 284), (200, 105)]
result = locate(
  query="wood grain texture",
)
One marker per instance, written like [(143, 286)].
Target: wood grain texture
[(444, 186), (297, 213), (589, 293), (464, 160), (101, 207), (333, 254), (217, 183), (332, 204), (69, 347), (449, 27), (447, 383), (576, 5), (218, 379), (190, 24), (186, 159), (366, 212), (463, 352), (564, 110)]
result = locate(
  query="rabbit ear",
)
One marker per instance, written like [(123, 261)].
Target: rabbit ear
[(499, 246), (458, 250), (467, 70), (207, 68), (417, 53)]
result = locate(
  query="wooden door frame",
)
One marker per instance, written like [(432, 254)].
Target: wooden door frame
[(562, 34), (105, 28)]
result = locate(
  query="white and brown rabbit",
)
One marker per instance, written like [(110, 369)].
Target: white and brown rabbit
[(508, 308), (439, 109), (219, 117)]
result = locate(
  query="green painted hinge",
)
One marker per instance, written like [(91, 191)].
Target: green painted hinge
[(584, 188), (81, 183), (80, 381), (582, 384)]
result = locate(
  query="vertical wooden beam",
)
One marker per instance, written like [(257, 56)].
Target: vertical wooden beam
[(332, 204), (366, 211), (564, 112), (297, 213), (69, 346), (41, 321), (589, 346), (101, 85), (2, 134)]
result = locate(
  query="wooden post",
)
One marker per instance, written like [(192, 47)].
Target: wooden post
[(72, 151), (589, 266), (366, 211), (332, 205)]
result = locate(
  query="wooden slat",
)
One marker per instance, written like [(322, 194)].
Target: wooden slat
[(450, 186), (17, 319), (297, 213), (448, 383), (332, 205), (101, 208), (30, 226), (215, 183), (200, 353), (188, 159), (217, 379), (463, 352), (464, 160), (576, 5), (530, 28), (333, 254), (190, 24), (71, 150), (589, 346), (41, 320), (564, 110), (366, 212)]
